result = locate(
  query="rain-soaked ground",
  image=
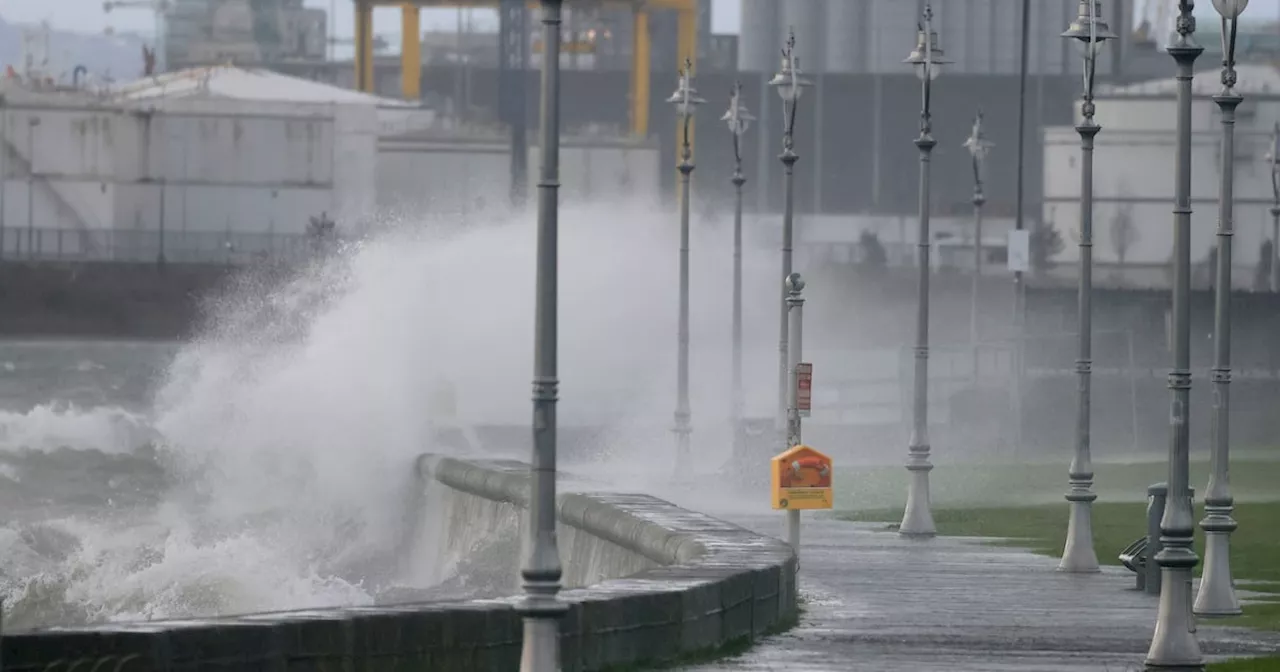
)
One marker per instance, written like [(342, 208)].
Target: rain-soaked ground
[(874, 601)]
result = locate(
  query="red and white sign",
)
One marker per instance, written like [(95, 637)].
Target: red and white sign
[(804, 387)]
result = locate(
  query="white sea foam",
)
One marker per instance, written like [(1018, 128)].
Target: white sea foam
[(290, 427)]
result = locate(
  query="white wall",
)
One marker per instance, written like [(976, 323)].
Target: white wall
[(211, 165), (70, 153), (1134, 164)]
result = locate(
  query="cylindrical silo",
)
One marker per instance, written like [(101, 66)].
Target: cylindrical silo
[(760, 37), (805, 18), (845, 25)]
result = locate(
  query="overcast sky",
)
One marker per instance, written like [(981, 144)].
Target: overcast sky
[(87, 15)]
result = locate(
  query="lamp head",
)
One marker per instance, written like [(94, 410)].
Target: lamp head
[(927, 58), (1230, 9), (790, 82), (686, 98), (1089, 26), (977, 143), (737, 116)]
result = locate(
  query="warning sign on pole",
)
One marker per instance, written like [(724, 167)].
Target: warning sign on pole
[(804, 388)]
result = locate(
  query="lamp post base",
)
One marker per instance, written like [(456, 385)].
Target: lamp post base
[(1217, 596), (917, 520), (541, 652), (1174, 646), (1079, 557)]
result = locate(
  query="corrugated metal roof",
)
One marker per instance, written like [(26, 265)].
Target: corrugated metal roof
[(1252, 80), (228, 81)]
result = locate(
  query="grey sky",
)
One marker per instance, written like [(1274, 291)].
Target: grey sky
[(87, 15)]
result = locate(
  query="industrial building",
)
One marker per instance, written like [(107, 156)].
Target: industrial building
[(1133, 188), (227, 162), (248, 32), (982, 37)]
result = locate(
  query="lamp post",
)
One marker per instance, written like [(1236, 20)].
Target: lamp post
[(917, 519), (790, 86), (1090, 31), (686, 101), (541, 569), (978, 147), (32, 123), (1217, 596), (1273, 158), (1174, 643), (738, 119)]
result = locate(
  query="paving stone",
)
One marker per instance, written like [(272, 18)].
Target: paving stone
[(876, 602)]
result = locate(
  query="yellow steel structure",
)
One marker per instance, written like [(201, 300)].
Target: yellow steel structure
[(411, 48), (410, 52)]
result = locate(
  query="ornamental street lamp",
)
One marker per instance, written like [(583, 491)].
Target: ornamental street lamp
[(686, 101), (738, 119), (1174, 643), (978, 147), (1091, 32), (790, 85), (917, 519), (1273, 158), (1217, 596), (541, 569)]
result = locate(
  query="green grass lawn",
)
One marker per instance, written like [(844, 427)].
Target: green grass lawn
[(1247, 665)]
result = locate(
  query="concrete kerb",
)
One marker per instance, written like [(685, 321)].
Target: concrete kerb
[(718, 583), (715, 584)]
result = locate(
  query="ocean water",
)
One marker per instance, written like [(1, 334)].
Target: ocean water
[(268, 463)]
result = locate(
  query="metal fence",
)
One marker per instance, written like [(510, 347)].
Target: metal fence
[(149, 246)]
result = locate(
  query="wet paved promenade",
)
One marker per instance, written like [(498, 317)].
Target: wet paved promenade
[(877, 602)]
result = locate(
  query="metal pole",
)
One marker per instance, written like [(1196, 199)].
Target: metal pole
[(1275, 247), (790, 85), (794, 285), (542, 570), (788, 159), (739, 119), (160, 252), (1019, 286), (31, 180), (685, 99), (1217, 596), (978, 147), (917, 519), (739, 402), (978, 200), (4, 167), (683, 414), (1078, 554), (1174, 643)]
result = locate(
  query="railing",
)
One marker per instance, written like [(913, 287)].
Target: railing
[(151, 246)]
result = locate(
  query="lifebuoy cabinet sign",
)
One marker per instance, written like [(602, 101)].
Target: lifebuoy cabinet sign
[(802, 479)]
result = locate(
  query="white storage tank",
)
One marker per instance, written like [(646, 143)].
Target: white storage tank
[(761, 36), (805, 17), (847, 27)]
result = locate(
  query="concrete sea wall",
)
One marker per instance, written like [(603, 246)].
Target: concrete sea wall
[(646, 582)]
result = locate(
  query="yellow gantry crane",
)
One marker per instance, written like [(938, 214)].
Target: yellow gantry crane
[(411, 47)]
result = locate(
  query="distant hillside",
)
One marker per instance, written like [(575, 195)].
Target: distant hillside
[(118, 56)]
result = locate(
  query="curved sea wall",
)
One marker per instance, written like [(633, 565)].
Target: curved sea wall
[(646, 581)]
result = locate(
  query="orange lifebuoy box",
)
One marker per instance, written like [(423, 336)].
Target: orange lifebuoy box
[(802, 479)]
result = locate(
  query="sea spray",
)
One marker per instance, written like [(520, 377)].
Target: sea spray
[(287, 430)]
